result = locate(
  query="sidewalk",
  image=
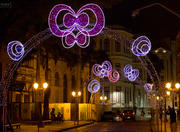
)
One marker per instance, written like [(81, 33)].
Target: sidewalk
[(53, 127), (165, 127)]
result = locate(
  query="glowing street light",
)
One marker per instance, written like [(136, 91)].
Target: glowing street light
[(103, 98), (177, 85), (45, 85), (168, 85), (157, 97), (79, 93), (168, 93), (73, 93), (35, 85), (76, 94)]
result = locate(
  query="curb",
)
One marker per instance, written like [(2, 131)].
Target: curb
[(65, 129)]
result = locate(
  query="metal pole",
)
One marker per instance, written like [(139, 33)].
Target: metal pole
[(77, 110), (165, 115), (173, 99)]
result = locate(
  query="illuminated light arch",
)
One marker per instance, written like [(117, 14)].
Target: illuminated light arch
[(94, 86), (36, 40), (15, 50), (78, 22), (131, 74), (141, 50)]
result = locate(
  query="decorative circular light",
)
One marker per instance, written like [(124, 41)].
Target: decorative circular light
[(15, 50), (93, 86), (113, 76), (139, 48), (148, 87)]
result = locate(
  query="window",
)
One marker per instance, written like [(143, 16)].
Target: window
[(18, 98), (100, 43), (26, 98), (107, 45), (117, 46), (73, 83), (65, 89), (118, 66), (106, 89), (56, 79)]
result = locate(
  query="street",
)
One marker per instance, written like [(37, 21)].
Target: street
[(127, 126)]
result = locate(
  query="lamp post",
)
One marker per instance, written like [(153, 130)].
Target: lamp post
[(137, 11), (172, 89), (76, 95), (103, 99), (36, 87)]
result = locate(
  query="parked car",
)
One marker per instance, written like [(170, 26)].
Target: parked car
[(108, 116), (128, 115)]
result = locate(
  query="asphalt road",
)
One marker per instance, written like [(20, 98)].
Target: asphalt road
[(127, 126)]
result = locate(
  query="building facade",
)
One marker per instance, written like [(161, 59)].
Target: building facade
[(123, 94)]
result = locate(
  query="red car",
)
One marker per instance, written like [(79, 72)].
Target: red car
[(128, 115)]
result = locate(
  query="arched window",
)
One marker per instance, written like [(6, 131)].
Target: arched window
[(117, 46), (106, 45), (101, 44), (73, 83), (56, 79), (65, 89)]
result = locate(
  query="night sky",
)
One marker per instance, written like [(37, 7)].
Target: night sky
[(30, 17)]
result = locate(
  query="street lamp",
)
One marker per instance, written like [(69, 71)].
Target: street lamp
[(103, 98), (173, 89), (45, 85), (76, 94), (36, 87), (157, 97), (168, 93), (137, 11)]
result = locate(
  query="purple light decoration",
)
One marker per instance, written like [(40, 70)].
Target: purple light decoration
[(93, 86), (148, 87), (78, 22), (140, 49), (131, 74), (70, 40), (102, 70), (15, 50), (113, 76)]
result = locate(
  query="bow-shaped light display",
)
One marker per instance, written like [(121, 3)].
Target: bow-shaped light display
[(15, 50), (131, 74), (93, 86), (102, 70), (141, 46), (105, 70), (76, 22), (148, 87)]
